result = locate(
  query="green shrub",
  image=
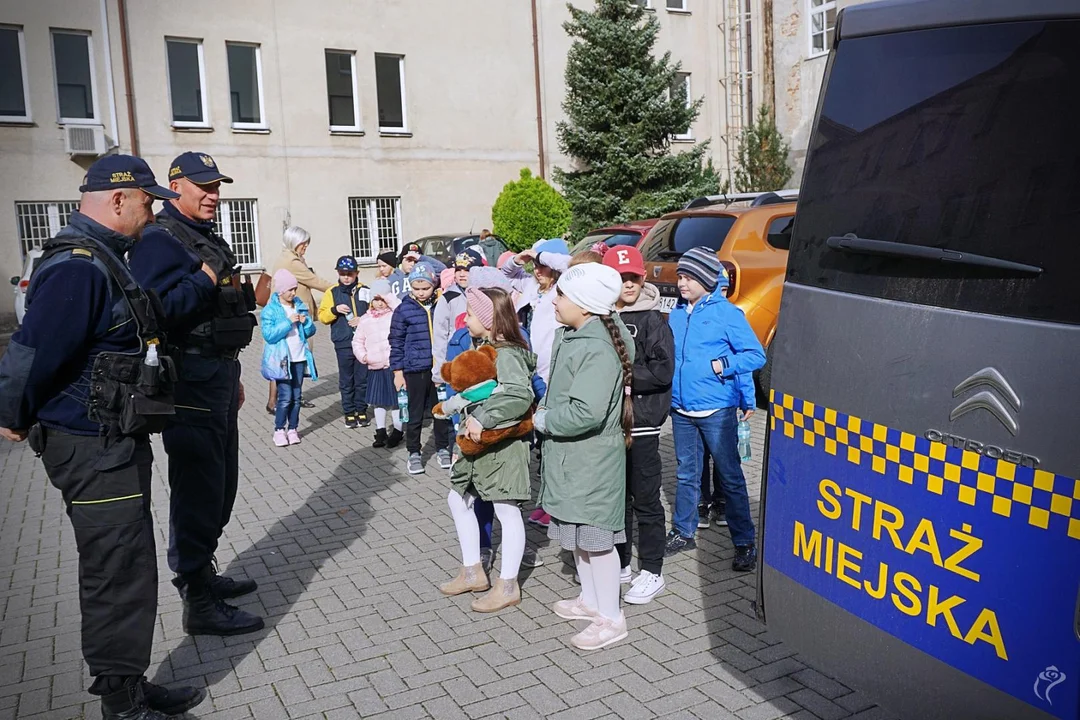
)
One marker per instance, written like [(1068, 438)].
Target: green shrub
[(528, 210)]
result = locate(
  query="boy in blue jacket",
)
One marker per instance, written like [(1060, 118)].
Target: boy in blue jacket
[(714, 344), (341, 308), (411, 360)]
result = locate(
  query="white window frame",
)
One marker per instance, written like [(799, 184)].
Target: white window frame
[(223, 220), (687, 136), (263, 124), (358, 126), (822, 10), (369, 206), (647, 4), (682, 9), (53, 32), (52, 215), (28, 117), (202, 84), (404, 129)]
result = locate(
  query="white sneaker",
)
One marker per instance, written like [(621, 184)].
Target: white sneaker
[(600, 633), (626, 576), (646, 586)]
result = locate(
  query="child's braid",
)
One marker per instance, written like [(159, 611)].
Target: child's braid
[(628, 376)]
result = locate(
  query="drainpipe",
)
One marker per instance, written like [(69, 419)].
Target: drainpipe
[(109, 73), (768, 80), (536, 82), (129, 93)]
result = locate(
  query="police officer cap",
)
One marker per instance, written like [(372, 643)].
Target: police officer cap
[(199, 168), (123, 171)]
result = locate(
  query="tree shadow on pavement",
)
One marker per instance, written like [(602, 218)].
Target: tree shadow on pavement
[(352, 512)]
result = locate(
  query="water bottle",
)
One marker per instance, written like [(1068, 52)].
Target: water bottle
[(152, 359), (744, 440), (403, 404), (150, 368)]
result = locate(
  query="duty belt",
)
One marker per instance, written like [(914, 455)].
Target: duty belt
[(210, 351)]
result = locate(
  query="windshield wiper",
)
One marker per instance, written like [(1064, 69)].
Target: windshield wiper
[(856, 244)]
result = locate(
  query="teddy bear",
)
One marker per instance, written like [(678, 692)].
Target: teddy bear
[(473, 376)]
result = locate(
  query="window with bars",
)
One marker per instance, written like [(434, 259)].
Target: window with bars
[(39, 221), (237, 222), (374, 226)]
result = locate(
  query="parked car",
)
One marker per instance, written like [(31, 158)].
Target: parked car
[(21, 283), (751, 234), (631, 233), (446, 247)]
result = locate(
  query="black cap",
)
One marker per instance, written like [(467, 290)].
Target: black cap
[(410, 248), (467, 259), (199, 168), (113, 172), (389, 258)]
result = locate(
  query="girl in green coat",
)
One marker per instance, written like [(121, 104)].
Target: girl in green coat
[(586, 418), (501, 473)]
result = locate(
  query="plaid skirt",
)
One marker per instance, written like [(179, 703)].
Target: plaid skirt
[(584, 537)]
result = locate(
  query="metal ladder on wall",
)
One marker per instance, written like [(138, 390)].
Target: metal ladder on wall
[(736, 77)]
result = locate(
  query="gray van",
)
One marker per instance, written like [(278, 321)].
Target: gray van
[(920, 507)]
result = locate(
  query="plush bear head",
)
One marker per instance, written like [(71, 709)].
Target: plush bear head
[(470, 368)]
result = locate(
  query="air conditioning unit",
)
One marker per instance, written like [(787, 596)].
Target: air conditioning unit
[(85, 140)]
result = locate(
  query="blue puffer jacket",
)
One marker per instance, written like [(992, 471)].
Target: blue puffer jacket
[(276, 326), (410, 336), (715, 330)]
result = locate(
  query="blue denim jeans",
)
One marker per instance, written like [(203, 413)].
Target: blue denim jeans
[(288, 397), (718, 434)]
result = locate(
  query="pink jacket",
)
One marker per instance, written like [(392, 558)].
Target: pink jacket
[(371, 341)]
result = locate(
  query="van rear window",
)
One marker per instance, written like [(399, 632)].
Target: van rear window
[(958, 138)]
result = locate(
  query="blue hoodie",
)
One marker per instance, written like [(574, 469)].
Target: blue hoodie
[(714, 330)]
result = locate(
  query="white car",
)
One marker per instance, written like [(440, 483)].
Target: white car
[(21, 284)]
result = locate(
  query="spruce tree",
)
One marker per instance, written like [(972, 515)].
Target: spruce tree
[(623, 106), (762, 158)]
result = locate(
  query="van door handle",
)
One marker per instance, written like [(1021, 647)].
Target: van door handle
[(1076, 619)]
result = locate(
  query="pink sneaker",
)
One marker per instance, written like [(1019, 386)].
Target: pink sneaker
[(573, 610), (294, 437), (539, 517), (601, 633), (280, 438)]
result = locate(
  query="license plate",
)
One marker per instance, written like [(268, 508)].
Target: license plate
[(667, 303)]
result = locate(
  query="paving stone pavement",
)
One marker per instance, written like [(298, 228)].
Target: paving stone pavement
[(347, 550)]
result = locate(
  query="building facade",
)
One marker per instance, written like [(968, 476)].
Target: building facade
[(368, 122)]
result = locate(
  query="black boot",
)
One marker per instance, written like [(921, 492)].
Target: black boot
[(226, 587), (128, 704), (380, 438), (172, 701), (207, 614), (394, 438)]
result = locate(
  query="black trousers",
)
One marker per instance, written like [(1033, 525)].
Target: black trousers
[(644, 471), (423, 397), (352, 382), (106, 488), (203, 447), (712, 489)]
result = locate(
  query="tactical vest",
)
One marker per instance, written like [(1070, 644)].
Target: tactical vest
[(126, 395), (232, 324)]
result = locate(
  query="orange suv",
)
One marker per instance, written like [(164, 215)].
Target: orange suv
[(750, 233)]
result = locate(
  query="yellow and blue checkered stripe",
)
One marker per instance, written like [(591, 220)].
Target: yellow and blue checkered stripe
[(1044, 499)]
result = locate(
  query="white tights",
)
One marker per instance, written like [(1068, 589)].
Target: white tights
[(513, 534), (380, 418), (599, 573)]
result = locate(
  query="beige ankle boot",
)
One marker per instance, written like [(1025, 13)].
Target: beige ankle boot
[(503, 594), (469, 579)]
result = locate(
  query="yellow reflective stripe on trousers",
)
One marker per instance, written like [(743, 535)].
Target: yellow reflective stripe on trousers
[(107, 500)]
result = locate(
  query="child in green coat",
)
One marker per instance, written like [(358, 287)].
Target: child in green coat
[(586, 419), (501, 473)]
